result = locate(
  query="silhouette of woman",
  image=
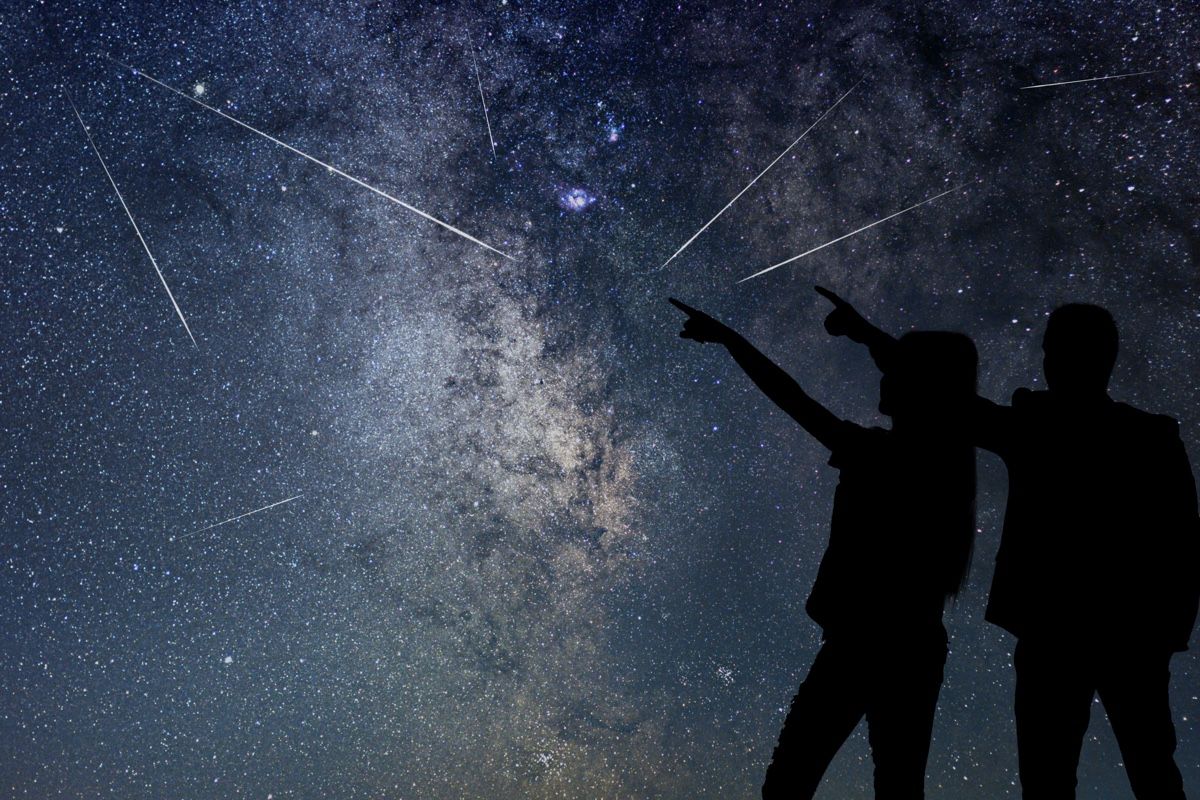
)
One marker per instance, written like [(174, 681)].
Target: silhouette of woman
[(899, 545)]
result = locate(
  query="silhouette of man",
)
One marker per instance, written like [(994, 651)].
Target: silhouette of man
[(1096, 574)]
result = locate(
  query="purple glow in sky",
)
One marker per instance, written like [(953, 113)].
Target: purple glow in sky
[(576, 199)]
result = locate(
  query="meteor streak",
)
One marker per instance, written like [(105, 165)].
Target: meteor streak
[(132, 221), (239, 516), (329, 167), (482, 99), (851, 233), (756, 177), (1089, 80)]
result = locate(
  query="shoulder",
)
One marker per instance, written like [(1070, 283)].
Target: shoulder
[(854, 435), (1157, 425), (855, 442), (1030, 399)]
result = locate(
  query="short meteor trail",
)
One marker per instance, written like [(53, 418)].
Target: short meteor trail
[(132, 221), (1089, 80), (759, 175), (482, 99), (851, 233), (235, 519), (329, 167)]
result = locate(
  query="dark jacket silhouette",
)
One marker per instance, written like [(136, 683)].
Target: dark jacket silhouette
[(899, 545), (1100, 531), (1097, 568)]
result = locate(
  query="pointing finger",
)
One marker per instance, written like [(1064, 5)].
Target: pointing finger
[(831, 296), (684, 307)]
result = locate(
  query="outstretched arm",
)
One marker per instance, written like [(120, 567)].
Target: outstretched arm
[(845, 320), (991, 423), (774, 382)]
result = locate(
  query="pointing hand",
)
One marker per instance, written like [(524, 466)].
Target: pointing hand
[(700, 326), (843, 320)]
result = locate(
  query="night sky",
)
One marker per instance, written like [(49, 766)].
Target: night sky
[(543, 548)]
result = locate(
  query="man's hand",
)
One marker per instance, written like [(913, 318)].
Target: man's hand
[(701, 327), (843, 320)]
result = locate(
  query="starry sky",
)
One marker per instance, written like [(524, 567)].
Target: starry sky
[(542, 547)]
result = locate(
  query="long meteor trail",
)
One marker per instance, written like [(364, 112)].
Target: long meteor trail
[(329, 167), (756, 177), (1089, 80), (851, 233), (132, 221), (239, 516), (482, 99)]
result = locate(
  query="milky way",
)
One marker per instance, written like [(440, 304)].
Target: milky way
[(545, 548)]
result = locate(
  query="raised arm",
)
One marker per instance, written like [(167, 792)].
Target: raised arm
[(845, 320), (774, 382), (991, 423)]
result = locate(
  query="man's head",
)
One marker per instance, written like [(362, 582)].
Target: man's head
[(1080, 349)]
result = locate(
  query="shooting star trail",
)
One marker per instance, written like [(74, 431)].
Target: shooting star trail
[(329, 167), (235, 519), (756, 177), (852, 233), (482, 99), (132, 221), (1089, 80)]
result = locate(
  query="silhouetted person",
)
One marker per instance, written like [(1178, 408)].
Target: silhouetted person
[(1097, 573), (899, 545)]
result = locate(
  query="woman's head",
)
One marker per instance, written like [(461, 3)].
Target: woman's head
[(930, 376)]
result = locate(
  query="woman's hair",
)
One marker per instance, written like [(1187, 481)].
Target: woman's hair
[(934, 378)]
